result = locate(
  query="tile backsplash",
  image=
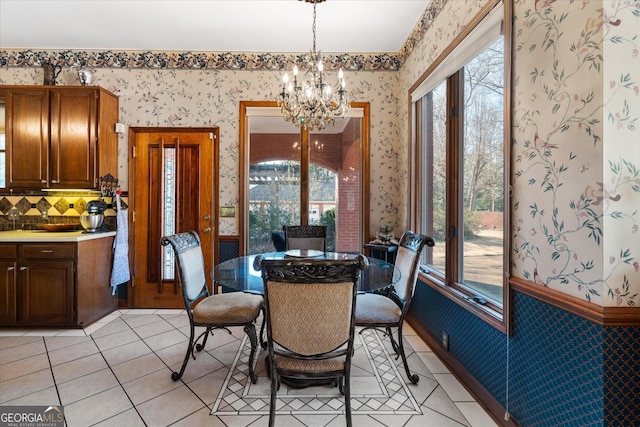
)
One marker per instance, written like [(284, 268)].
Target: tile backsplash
[(54, 208)]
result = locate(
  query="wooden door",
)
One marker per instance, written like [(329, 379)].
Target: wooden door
[(172, 183), (73, 138), (27, 137)]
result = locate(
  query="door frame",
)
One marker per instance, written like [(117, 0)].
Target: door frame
[(215, 196)]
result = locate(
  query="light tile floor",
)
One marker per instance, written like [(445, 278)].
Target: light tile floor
[(117, 372)]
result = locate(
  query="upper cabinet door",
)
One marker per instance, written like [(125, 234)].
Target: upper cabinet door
[(27, 137), (73, 138), (58, 137)]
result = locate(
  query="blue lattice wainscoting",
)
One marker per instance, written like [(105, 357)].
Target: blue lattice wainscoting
[(228, 248), (622, 375), (556, 367), (564, 370)]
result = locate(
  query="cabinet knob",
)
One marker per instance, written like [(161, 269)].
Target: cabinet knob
[(206, 229), (46, 251), (10, 269), (43, 181), (23, 268), (54, 181)]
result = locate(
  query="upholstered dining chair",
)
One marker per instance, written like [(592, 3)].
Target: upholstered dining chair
[(217, 311), (277, 237), (387, 310), (305, 237), (310, 306)]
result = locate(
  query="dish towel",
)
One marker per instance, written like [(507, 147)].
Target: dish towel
[(120, 271)]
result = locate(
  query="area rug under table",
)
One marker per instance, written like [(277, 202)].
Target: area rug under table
[(377, 387)]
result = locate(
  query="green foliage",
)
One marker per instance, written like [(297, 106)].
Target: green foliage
[(262, 223), (472, 224), (328, 219)]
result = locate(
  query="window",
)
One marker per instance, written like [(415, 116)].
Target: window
[(293, 176), (460, 138)]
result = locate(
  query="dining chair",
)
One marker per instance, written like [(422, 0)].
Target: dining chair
[(217, 311), (388, 309), (277, 237), (310, 305), (305, 237)]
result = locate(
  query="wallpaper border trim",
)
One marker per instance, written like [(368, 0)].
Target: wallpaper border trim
[(214, 61), (605, 316), (221, 60)]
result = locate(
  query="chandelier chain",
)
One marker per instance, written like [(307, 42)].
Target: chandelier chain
[(314, 28), (310, 102)]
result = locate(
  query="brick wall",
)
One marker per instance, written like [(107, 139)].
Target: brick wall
[(339, 153)]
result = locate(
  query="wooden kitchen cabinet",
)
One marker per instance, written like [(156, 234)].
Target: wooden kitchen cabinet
[(59, 137), (56, 284), (8, 277), (46, 284)]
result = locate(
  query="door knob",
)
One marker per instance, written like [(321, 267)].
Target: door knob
[(206, 229), (207, 218)]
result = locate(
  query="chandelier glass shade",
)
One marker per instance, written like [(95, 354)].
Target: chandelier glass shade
[(308, 100)]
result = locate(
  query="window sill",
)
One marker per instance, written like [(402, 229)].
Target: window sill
[(487, 314)]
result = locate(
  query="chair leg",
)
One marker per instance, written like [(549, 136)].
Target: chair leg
[(250, 330), (347, 397), (263, 342), (177, 375), (394, 344), (205, 334), (414, 378), (275, 384)]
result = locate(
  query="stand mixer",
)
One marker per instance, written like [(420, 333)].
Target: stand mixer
[(94, 217)]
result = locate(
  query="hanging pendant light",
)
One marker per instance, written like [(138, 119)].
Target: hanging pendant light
[(307, 100)]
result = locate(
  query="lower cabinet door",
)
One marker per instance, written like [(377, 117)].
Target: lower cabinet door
[(47, 293), (8, 293)]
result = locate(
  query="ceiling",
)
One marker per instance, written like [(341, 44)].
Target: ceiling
[(343, 26)]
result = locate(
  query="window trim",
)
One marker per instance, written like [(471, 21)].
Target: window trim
[(498, 317)]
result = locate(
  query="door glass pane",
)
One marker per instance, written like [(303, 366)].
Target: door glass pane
[(335, 182), (483, 188), (435, 120), (168, 210), (274, 179)]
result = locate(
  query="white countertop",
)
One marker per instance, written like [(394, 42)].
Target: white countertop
[(35, 236)]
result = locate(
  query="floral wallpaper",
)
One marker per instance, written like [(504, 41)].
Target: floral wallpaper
[(575, 150), (190, 98), (576, 158), (575, 107)]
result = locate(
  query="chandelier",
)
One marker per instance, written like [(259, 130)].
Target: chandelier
[(309, 101)]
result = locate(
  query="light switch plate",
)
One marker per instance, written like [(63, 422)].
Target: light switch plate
[(227, 211), (119, 127)]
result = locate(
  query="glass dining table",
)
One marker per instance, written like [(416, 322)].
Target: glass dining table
[(240, 274)]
